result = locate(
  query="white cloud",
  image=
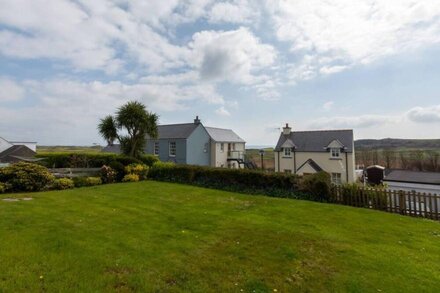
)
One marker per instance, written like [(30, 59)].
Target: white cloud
[(66, 111), (425, 115), (222, 111), (328, 105), (238, 11), (230, 55), (340, 34), (10, 90), (362, 121)]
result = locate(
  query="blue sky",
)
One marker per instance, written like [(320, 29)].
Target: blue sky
[(250, 65)]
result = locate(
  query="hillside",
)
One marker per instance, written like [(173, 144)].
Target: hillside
[(161, 237), (393, 143)]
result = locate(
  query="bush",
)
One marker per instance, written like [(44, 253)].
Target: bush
[(26, 177), (131, 178), (86, 181), (249, 181), (137, 169), (317, 185), (3, 188), (91, 181), (119, 169), (84, 160), (108, 175), (63, 183), (149, 160)]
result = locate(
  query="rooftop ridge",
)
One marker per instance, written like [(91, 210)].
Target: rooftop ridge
[(323, 130), (219, 128), (175, 124)]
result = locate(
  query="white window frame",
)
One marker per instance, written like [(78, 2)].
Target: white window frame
[(222, 147), (335, 153), (170, 148), (336, 178), (287, 152), (156, 148)]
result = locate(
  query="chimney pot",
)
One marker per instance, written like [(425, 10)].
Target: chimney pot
[(287, 130), (197, 120)]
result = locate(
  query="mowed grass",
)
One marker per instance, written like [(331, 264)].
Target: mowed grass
[(162, 237)]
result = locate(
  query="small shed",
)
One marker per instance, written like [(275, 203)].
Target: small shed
[(375, 174)]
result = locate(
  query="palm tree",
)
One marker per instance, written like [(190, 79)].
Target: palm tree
[(107, 129), (135, 122)]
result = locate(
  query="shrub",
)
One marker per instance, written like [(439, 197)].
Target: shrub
[(108, 175), (26, 177), (86, 181), (119, 169), (3, 187), (91, 181), (131, 178), (138, 169), (249, 181), (148, 160), (76, 160), (317, 185), (63, 183)]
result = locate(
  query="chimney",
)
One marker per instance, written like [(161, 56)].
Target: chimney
[(197, 120), (287, 130)]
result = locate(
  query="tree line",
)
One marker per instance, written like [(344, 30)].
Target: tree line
[(416, 160)]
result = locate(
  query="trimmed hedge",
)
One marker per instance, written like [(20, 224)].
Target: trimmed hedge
[(316, 187), (241, 180), (90, 160)]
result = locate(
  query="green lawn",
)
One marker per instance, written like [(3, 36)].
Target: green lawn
[(161, 237)]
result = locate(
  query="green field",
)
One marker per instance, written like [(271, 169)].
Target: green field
[(163, 237), (69, 149)]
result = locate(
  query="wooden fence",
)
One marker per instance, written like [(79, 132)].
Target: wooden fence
[(74, 172), (413, 204)]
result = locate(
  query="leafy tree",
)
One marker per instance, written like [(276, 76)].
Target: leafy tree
[(130, 126), (108, 130)]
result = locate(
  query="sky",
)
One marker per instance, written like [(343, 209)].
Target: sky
[(250, 65)]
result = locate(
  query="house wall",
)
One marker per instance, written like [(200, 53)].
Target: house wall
[(323, 159), (4, 144), (220, 158), (198, 151), (180, 157), (428, 188)]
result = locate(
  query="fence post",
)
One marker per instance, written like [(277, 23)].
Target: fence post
[(402, 202)]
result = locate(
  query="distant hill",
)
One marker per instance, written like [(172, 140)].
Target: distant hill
[(394, 143)]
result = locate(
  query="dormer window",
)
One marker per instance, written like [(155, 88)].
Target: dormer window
[(287, 152), (335, 152)]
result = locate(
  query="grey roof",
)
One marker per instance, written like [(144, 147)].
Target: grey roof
[(317, 140), (223, 135), (115, 149), (413, 177), (177, 131), (15, 152), (312, 164)]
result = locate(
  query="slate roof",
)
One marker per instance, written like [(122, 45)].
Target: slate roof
[(178, 131), (312, 164), (115, 149), (407, 176), (223, 135), (317, 140), (15, 152)]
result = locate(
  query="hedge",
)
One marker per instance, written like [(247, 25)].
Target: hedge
[(90, 160)]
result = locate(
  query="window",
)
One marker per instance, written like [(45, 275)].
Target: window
[(287, 171), (335, 152), (222, 147), (233, 146), (205, 149), (287, 152), (156, 148), (172, 150), (336, 178)]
